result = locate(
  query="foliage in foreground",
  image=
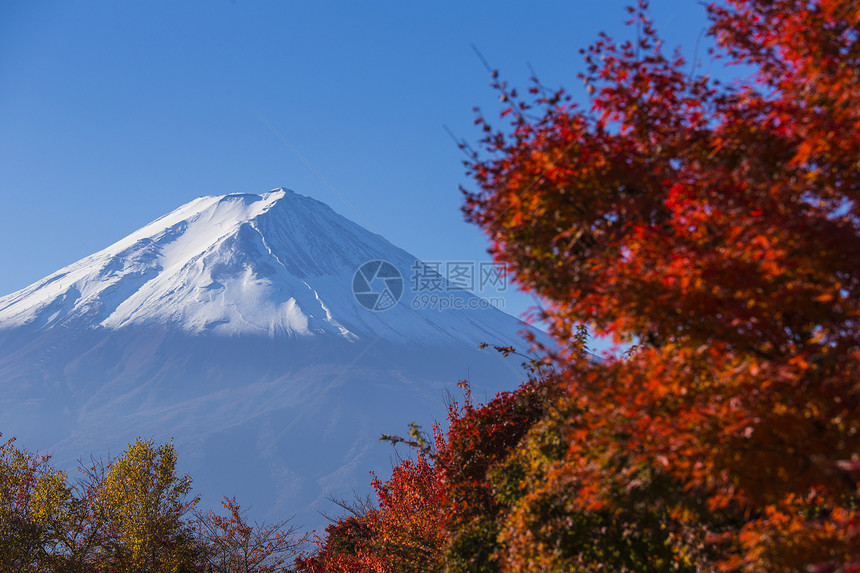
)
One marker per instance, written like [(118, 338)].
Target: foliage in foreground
[(717, 227), (133, 514)]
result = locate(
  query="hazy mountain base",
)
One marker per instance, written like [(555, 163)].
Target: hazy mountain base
[(282, 423)]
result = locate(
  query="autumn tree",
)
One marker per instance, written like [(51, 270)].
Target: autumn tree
[(131, 514), (349, 543), (144, 504), (716, 228), (35, 506), (410, 523), (404, 534), (440, 509), (479, 440), (235, 546)]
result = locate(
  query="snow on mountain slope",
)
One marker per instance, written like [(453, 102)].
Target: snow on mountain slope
[(238, 264), (231, 327)]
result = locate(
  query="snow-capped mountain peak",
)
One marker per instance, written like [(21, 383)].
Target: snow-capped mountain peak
[(277, 264)]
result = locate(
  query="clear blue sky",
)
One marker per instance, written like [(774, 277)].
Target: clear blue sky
[(114, 113)]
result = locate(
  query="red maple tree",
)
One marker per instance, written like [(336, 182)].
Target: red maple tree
[(716, 226)]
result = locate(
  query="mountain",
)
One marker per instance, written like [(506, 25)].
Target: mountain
[(270, 338)]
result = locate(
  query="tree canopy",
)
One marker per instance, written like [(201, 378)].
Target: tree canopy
[(131, 514)]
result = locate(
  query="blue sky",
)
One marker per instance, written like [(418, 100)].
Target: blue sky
[(114, 113)]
